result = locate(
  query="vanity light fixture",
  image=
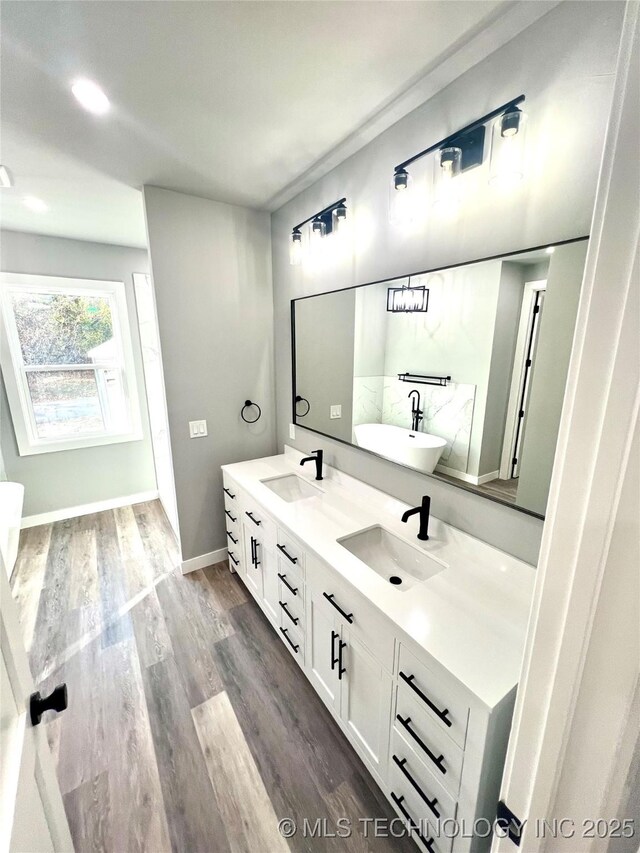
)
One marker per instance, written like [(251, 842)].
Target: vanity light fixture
[(6, 181), (507, 147), (324, 222), (90, 96), (407, 299), (469, 141)]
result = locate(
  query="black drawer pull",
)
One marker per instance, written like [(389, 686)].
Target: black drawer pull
[(293, 618), (347, 616), (255, 520), (334, 659), (230, 516), (233, 559), (285, 633), (227, 492), (287, 555), (431, 803), (341, 669), (55, 701), (439, 762), (443, 715), (428, 842), (232, 537), (292, 589)]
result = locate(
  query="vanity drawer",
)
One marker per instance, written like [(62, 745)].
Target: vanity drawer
[(256, 519), (291, 607), (290, 550), (294, 641), (406, 769), (414, 812), (231, 513), (236, 561), (233, 535), (229, 488), (430, 743), (291, 582), (444, 702), (364, 621)]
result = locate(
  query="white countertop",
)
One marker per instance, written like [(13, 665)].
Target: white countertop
[(471, 617)]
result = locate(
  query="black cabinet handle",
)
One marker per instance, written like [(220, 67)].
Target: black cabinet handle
[(55, 701), (226, 512), (285, 633), (233, 559), (287, 555), (253, 551), (232, 537), (439, 762), (431, 803), (428, 842), (255, 520), (341, 669), (226, 491), (347, 616), (335, 659), (293, 618), (292, 589), (443, 715)]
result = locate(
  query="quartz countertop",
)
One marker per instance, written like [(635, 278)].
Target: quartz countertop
[(471, 617)]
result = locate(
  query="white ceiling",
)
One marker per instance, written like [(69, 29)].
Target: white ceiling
[(228, 100)]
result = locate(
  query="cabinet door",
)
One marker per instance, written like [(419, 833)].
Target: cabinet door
[(270, 583), (253, 575), (366, 702), (323, 637)]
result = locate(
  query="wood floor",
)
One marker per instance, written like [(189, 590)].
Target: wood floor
[(189, 726)]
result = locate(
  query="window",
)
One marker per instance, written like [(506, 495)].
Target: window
[(67, 362)]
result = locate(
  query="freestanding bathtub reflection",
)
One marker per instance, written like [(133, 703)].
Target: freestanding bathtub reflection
[(418, 449)]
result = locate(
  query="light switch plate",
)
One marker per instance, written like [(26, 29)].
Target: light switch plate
[(336, 412), (292, 430), (197, 429)]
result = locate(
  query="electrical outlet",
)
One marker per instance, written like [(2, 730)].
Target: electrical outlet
[(292, 430), (197, 429), (335, 412)]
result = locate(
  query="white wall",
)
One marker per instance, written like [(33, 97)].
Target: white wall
[(71, 478), (211, 268), (564, 64)]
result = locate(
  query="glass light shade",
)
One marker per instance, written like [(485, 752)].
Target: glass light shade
[(402, 199), (318, 229), (295, 249), (508, 149), (338, 217), (446, 186)]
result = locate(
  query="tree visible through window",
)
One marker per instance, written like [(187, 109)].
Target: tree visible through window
[(68, 359)]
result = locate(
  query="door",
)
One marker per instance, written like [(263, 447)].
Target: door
[(323, 638), (32, 815), (252, 561), (366, 701)]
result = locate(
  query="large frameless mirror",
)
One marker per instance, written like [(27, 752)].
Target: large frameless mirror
[(458, 373)]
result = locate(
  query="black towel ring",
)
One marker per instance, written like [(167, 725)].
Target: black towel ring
[(248, 403), (300, 399)]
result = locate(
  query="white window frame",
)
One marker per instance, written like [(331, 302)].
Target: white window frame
[(15, 375)]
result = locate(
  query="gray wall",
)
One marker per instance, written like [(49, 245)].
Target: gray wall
[(549, 376), (69, 478), (564, 63), (211, 267), (324, 363)]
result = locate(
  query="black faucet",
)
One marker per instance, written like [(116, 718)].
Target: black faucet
[(416, 411), (423, 533), (318, 460)]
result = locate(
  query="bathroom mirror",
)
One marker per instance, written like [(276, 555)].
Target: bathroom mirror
[(458, 373)]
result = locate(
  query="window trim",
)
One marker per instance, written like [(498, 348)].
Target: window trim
[(20, 405)]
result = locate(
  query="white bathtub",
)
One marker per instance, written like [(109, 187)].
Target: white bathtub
[(417, 449)]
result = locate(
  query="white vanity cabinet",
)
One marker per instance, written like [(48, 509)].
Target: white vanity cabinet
[(233, 525), (435, 746)]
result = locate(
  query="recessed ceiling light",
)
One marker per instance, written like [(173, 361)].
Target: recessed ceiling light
[(6, 181), (91, 96), (35, 204)]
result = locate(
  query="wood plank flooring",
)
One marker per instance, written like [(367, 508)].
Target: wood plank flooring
[(189, 727)]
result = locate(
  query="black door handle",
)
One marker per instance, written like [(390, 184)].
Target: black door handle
[(286, 553), (55, 701), (347, 616), (255, 520), (341, 669), (257, 562), (334, 659), (292, 589)]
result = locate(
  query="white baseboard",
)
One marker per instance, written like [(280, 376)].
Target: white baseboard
[(467, 478), (86, 509), (204, 560)]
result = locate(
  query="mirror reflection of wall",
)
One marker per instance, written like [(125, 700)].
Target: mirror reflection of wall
[(469, 390)]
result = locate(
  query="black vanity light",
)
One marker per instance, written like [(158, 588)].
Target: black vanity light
[(407, 299), (460, 151), (324, 222)]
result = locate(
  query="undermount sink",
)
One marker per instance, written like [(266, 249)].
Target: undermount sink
[(395, 560), (291, 488)]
